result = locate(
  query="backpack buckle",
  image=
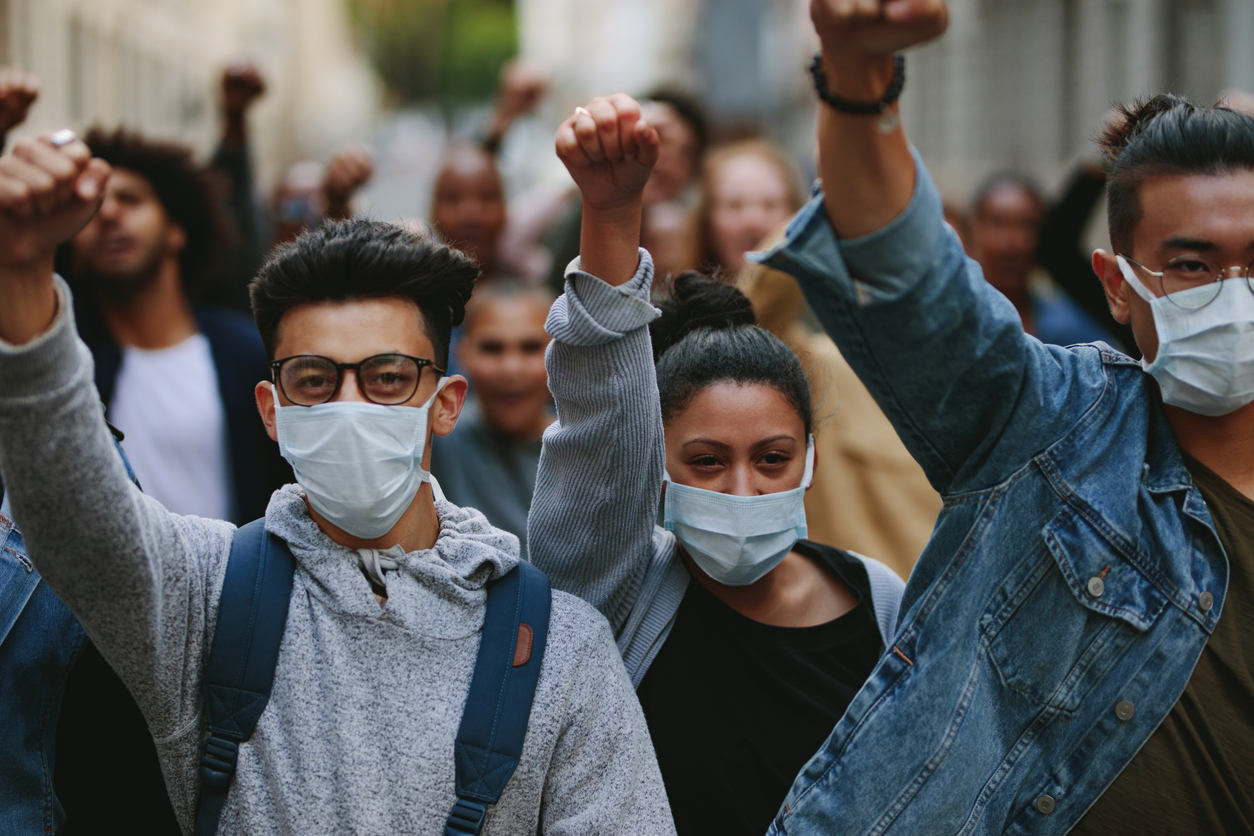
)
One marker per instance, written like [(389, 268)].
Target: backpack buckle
[(466, 817), (217, 763)]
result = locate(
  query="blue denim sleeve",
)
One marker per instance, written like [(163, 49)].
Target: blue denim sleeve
[(944, 354)]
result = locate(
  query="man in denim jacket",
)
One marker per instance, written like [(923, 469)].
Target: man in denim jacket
[(1061, 659)]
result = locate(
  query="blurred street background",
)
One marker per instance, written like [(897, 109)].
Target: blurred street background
[(1016, 84)]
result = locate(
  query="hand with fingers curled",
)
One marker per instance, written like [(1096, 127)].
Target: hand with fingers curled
[(868, 29), (49, 189), (610, 152)]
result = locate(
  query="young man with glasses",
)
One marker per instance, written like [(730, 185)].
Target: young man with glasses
[(1075, 644), (387, 599)]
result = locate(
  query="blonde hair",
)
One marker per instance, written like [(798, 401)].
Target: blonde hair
[(699, 255)]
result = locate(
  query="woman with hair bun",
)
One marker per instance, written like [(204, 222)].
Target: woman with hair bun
[(745, 642)]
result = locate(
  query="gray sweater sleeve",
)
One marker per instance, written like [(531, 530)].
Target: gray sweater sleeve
[(125, 566), (592, 517)]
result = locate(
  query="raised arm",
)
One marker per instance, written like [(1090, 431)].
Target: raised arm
[(592, 516), (943, 353), (122, 563)]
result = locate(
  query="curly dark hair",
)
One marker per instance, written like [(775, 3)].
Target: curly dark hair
[(191, 193), (1167, 134), (360, 259)]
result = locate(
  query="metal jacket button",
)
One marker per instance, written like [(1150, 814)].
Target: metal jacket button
[(1125, 710), (1046, 804), (1206, 601), (1096, 586)]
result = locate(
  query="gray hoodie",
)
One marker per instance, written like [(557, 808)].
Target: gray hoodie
[(358, 734)]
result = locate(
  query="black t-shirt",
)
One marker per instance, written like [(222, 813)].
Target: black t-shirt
[(736, 707), (1195, 773)]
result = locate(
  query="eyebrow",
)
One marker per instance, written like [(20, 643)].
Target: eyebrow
[(763, 443), (1196, 244)]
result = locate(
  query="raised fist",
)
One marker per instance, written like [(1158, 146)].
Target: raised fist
[(18, 91), (242, 84), (873, 28), (608, 150), (47, 194), (346, 172)]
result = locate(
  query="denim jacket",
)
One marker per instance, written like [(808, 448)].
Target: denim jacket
[(39, 640), (1073, 576)]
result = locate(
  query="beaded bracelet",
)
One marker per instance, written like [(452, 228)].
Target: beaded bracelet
[(888, 119)]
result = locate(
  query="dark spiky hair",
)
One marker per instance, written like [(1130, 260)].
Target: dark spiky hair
[(341, 261), (1167, 135)]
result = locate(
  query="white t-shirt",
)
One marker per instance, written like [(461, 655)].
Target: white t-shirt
[(167, 403)]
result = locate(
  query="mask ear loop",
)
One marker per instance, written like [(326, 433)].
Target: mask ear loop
[(808, 478), (1130, 276)]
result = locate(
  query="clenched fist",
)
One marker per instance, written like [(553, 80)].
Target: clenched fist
[(873, 28), (47, 194), (609, 151)]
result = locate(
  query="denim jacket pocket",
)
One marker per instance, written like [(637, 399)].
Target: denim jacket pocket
[(1064, 617)]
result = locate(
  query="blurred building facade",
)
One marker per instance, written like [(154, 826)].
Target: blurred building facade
[(1024, 84), (1014, 84), (154, 65)]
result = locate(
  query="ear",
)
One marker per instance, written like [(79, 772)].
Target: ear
[(1115, 285), (448, 405), (264, 393), (176, 239)]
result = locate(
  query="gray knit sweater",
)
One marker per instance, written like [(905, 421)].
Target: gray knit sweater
[(593, 527), (358, 735)]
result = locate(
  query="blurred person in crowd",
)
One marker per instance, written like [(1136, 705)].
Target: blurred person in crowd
[(1006, 217), (175, 376), (746, 641), (1073, 654), (959, 219), (61, 703), (381, 635), (868, 494), (468, 205), (310, 192), (747, 190), (684, 131), (489, 461)]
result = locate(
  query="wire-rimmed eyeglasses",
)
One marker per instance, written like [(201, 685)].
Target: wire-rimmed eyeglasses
[(1188, 272)]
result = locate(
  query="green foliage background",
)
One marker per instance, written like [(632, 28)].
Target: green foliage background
[(445, 50)]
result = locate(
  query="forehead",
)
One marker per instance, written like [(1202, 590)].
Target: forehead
[(521, 316), (126, 181), (736, 414), (468, 170), (746, 173), (354, 330), (1215, 209), (670, 126), (1008, 199)]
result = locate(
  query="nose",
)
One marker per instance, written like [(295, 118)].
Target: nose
[(350, 389), (742, 482)]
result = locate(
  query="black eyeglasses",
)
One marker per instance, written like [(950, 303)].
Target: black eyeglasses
[(387, 379)]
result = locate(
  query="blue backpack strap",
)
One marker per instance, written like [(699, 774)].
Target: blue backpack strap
[(494, 721), (239, 673)]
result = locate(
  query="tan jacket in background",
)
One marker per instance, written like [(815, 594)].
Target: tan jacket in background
[(868, 494)]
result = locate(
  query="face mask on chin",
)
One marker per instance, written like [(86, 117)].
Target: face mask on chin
[(359, 463), (1205, 359), (736, 540)]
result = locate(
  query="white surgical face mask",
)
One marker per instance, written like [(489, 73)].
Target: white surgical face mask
[(1205, 360), (737, 539), (359, 463)]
